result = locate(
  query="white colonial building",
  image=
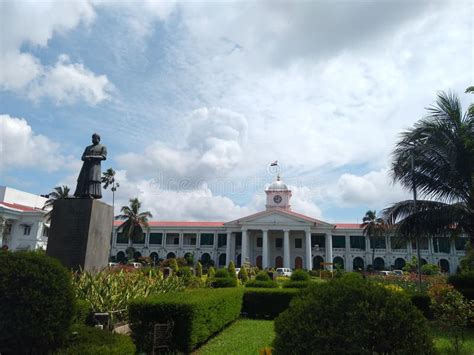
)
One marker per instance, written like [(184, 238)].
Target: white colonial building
[(281, 237), (22, 222)]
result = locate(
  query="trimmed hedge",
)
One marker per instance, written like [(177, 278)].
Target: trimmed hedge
[(299, 275), (224, 282), (197, 315), (89, 340), (266, 303), (36, 303), (296, 284), (464, 283), (261, 284)]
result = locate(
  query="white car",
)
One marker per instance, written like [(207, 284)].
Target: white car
[(237, 270), (283, 271), (136, 265)]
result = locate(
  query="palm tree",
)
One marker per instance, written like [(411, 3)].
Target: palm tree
[(134, 220), (374, 227), (108, 179), (59, 193)]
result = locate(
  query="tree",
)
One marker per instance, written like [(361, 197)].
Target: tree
[(134, 220), (59, 193), (374, 227), (441, 146), (108, 179)]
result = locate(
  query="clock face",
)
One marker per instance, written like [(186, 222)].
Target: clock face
[(277, 199)]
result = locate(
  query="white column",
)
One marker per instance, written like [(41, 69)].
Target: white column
[(227, 249), (348, 261), (181, 241), (147, 239), (286, 248), (163, 239), (244, 253), (329, 249), (265, 248), (309, 259)]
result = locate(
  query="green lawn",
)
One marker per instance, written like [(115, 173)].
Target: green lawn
[(245, 336), (248, 336)]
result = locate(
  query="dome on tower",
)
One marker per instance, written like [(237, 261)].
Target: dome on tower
[(278, 185)]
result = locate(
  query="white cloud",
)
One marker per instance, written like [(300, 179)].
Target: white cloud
[(20, 147), (33, 24), (212, 145)]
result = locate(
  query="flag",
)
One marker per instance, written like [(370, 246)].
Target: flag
[(275, 163)]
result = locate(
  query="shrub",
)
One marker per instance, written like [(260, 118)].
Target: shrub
[(174, 265), (261, 284), (37, 303), (266, 303), (422, 301), (296, 284), (314, 273), (89, 340), (198, 269), (299, 275), (243, 276), (222, 273), (464, 283), (222, 282), (429, 269), (197, 315), (211, 272), (313, 322), (82, 312), (231, 269), (262, 276)]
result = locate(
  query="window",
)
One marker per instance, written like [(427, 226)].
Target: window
[(338, 241), (207, 239), (423, 244), (298, 243), (122, 238), (460, 243), (156, 238), (279, 242), (176, 240), (377, 242), (189, 238), (26, 230), (441, 245), (238, 239), (172, 239), (139, 238), (319, 240), (8, 229), (357, 242), (398, 243), (222, 240), (45, 231), (259, 242)]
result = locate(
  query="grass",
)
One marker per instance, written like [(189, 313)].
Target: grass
[(245, 336), (443, 345)]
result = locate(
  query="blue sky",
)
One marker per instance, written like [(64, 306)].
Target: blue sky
[(195, 99)]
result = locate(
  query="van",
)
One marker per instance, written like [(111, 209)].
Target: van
[(283, 271)]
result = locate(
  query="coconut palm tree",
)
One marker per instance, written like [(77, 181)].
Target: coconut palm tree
[(59, 192), (374, 227), (134, 220), (108, 179), (436, 159)]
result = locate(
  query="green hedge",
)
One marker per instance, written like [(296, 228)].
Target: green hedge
[(223, 282), (197, 315), (266, 303), (423, 303), (261, 284), (36, 303), (89, 340), (464, 283), (296, 284)]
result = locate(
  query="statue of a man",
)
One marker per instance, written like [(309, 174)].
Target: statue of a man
[(89, 180)]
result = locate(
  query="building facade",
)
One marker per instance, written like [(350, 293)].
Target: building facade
[(22, 223), (281, 237)]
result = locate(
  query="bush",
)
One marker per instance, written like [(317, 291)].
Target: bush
[(261, 284), (296, 284), (262, 276), (211, 272), (89, 340), (422, 301), (299, 275), (82, 312), (198, 269), (266, 303), (197, 315), (222, 273), (429, 269), (231, 269), (243, 276), (222, 282), (37, 303), (351, 316), (464, 283)]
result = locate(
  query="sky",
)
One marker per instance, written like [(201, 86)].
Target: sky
[(195, 99)]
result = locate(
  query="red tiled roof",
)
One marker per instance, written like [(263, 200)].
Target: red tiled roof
[(22, 208), (179, 224), (347, 226)]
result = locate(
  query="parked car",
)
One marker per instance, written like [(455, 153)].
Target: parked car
[(398, 272), (136, 265), (283, 271), (112, 264), (237, 270), (385, 273)]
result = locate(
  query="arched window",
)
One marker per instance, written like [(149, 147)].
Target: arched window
[(444, 265), (154, 257), (171, 255), (258, 262), (399, 263), (205, 259), (120, 256), (423, 262), (298, 263), (317, 260), (137, 255), (338, 261), (358, 264), (222, 259), (278, 261), (379, 264), (239, 260)]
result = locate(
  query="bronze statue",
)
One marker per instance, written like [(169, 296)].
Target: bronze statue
[(89, 180)]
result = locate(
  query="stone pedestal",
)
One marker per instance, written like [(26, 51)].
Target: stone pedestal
[(80, 233)]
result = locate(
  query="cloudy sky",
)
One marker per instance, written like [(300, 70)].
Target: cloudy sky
[(194, 99)]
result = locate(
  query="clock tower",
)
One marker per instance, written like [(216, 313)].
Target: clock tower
[(278, 195)]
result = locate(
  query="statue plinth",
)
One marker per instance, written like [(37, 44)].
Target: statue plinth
[(80, 233)]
